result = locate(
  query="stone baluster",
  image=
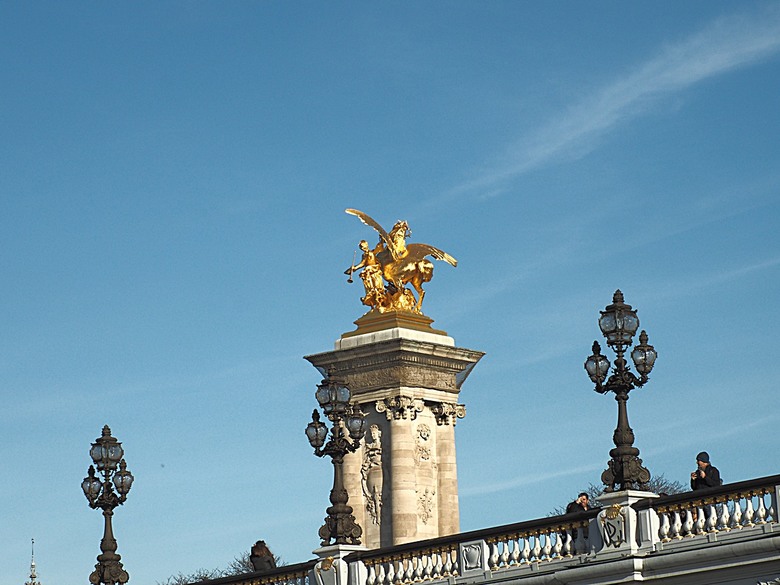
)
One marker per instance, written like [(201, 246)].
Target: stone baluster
[(419, 567), (526, 556), (712, 518), (663, 532), (537, 550), (428, 566), (371, 577), (505, 553), (723, 521), (400, 571), (447, 566), (415, 570), (761, 511), (494, 556), (688, 522), (380, 576), (676, 527), (515, 557), (409, 564), (774, 496), (439, 567), (558, 549), (390, 576), (749, 512), (455, 552), (701, 519), (547, 549), (736, 517), (568, 544)]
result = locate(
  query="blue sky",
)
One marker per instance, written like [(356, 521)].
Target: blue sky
[(174, 179)]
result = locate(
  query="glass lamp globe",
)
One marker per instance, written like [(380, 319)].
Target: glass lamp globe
[(618, 321), (356, 423), (316, 431), (644, 355), (91, 485), (123, 479), (597, 365)]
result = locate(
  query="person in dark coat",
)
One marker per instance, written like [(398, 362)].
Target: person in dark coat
[(261, 557), (705, 476), (578, 505)]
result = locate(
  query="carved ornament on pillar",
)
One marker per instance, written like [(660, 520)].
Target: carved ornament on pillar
[(371, 474), (425, 501), (447, 411), (400, 407), (422, 448), (613, 525)]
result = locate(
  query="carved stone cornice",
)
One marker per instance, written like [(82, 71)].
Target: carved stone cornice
[(399, 362), (446, 412)]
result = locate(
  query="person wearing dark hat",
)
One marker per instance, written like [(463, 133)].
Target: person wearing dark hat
[(705, 476)]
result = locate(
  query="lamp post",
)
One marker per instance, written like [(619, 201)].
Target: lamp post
[(107, 454), (618, 323), (334, 396)]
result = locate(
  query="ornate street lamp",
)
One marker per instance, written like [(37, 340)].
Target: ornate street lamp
[(334, 396), (107, 454), (618, 323)]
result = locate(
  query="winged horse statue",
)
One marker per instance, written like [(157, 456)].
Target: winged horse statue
[(399, 263)]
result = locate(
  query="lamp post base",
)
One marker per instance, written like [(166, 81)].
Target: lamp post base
[(109, 572), (340, 525), (625, 472)]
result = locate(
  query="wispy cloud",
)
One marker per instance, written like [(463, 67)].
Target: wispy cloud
[(528, 479), (673, 289), (725, 45)]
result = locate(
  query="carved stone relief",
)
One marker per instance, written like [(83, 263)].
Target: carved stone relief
[(473, 556), (613, 525), (425, 502), (401, 375), (371, 473), (422, 448), (400, 407), (446, 412)]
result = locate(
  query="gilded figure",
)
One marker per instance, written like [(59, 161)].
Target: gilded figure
[(397, 263)]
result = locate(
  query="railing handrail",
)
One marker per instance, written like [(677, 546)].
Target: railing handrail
[(303, 567), (527, 526), (727, 488)]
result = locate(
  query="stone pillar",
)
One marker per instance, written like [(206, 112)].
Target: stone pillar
[(449, 523), (406, 376)]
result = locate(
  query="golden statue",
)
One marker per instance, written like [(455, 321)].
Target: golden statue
[(398, 263)]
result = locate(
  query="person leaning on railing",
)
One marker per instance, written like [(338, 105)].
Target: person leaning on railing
[(705, 476), (581, 504)]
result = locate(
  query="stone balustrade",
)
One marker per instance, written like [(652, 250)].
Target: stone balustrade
[(546, 539), (298, 574), (586, 545), (731, 507)]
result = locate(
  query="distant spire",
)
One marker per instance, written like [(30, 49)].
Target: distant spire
[(33, 576)]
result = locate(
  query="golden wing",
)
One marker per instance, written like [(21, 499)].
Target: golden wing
[(422, 250), (368, 220)]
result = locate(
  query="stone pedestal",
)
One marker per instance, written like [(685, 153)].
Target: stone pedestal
[(623, 530), (406, 376), (332, 569)]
